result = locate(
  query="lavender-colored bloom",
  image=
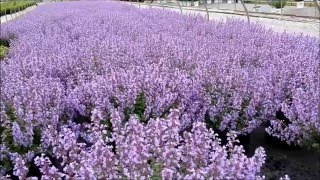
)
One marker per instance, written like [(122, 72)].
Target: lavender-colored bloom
[(116, 91), (20, 170)]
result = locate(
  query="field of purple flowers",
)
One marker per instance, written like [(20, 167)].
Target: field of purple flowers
[(105, 90)]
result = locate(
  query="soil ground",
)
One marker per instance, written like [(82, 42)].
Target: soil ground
[(298, 163)]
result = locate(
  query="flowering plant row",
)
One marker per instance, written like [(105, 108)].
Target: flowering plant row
[(105, 90)]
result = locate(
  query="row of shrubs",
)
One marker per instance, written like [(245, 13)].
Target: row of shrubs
[(10, 7)]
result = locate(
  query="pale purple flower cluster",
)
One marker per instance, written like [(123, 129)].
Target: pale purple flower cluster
[(115, 92), (197, 154)]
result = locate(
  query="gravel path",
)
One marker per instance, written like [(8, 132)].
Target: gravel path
[(277, 23)]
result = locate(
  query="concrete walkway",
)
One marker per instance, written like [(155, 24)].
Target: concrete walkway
[(264, 8), (278, 23)]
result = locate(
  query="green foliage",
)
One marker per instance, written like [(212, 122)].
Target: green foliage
[(140, 106), (137, 109), (212, 124), (4, 50), (316, 146), (127, 113), (157, 168), (278, 3), (10, 7), (108, 124), (6, 164), (11, 113), (4, 42), (7, 137), (242, 115), (174, 105), (36, 137), (8, 141), (313, 143)]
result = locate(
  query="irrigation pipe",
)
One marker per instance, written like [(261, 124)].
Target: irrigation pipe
[(179, 6), (246, 10), (205, 6), (139, 4)]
